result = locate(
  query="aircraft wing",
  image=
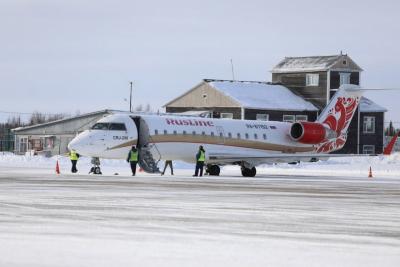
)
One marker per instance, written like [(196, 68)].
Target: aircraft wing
[(277, 158)]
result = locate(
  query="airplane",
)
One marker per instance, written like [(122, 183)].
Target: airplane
[(246, 143)]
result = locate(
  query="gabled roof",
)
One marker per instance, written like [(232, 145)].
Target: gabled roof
[(261, 95), (367, 105), (315, 63), (91, 114)]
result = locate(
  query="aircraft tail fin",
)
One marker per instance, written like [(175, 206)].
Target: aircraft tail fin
[(389, 148), (337, 116)]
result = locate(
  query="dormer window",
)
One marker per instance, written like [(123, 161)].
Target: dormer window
[(312, 79)]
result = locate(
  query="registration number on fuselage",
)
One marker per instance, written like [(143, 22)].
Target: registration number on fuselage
[(119, 137)]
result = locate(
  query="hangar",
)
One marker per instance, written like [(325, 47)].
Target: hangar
[(53, 137)]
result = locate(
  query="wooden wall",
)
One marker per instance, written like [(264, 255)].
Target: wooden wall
[(277, 115), (297, 83)]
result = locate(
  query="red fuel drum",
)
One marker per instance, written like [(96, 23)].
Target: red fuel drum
[(308, 132)]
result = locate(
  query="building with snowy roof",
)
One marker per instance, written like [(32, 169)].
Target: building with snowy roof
[(300, 88), (248, 100)]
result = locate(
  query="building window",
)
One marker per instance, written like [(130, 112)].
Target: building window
[(262, 117), (226, 115), (301, 117), (368, 149), (369, 124), (312, 79), (344, 78), (289, 118)]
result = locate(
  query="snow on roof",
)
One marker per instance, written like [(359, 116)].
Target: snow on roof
[(261, 95), (300, 64), (367, 105)]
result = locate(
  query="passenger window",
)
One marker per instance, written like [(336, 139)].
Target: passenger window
[(229, 135), (203, 133), (175, 133), (247, 136), (184, 132), (265, 136), (165, 132), (212, 133), (221, 135), (238, 135), (255, 136), (156, 132), (194, 132), (117, 127)]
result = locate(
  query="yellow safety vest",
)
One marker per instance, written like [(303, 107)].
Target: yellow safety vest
[(202, 157), (134, 156), (73, 155)]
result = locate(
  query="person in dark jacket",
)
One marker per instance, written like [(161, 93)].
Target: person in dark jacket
[(133, 157), (73, 156), (200, 158), (168, 163)]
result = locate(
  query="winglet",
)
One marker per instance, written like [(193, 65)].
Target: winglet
[(389, 148)]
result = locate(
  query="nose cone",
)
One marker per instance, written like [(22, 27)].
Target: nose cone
[(77, 145)]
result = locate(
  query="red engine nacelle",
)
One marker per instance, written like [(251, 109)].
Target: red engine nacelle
[(308, 132)]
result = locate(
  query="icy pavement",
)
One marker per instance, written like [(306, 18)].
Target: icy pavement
[(273, 220)]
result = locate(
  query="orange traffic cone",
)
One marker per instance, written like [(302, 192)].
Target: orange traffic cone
[(370, 172), (57, 168)]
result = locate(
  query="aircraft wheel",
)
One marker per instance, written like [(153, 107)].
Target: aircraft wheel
[(97, 170), (249, 172), (214, 170)]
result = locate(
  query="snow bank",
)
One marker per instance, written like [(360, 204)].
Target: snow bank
[(382, 166)]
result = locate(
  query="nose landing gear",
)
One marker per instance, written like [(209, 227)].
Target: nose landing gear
[(95, 166)]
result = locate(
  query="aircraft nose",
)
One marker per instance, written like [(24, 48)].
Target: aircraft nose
[(76, 144)]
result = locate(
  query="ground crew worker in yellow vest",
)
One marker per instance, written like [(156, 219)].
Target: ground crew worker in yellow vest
[(133, 158), (200, 158), (73, 156)]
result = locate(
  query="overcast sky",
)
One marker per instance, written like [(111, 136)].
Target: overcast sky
[(77, 55)]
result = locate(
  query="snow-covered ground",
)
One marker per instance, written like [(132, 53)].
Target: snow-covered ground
[(382, 166), (312, 214)]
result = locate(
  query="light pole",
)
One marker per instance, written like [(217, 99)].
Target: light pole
[(130, 98)]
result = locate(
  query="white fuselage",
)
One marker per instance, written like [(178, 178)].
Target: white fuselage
[(178, 138)]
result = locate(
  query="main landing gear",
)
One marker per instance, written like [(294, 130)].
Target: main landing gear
[(246, 172), (213, 170)]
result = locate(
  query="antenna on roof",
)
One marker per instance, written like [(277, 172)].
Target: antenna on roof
[(233, 72)]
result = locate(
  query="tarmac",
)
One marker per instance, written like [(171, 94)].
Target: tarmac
[(282, 220)]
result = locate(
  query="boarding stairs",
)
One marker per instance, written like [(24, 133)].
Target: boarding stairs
[(146, 159)]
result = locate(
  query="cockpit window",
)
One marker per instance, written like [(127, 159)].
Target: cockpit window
[(109, 126), (100, 126), (117, 127)]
